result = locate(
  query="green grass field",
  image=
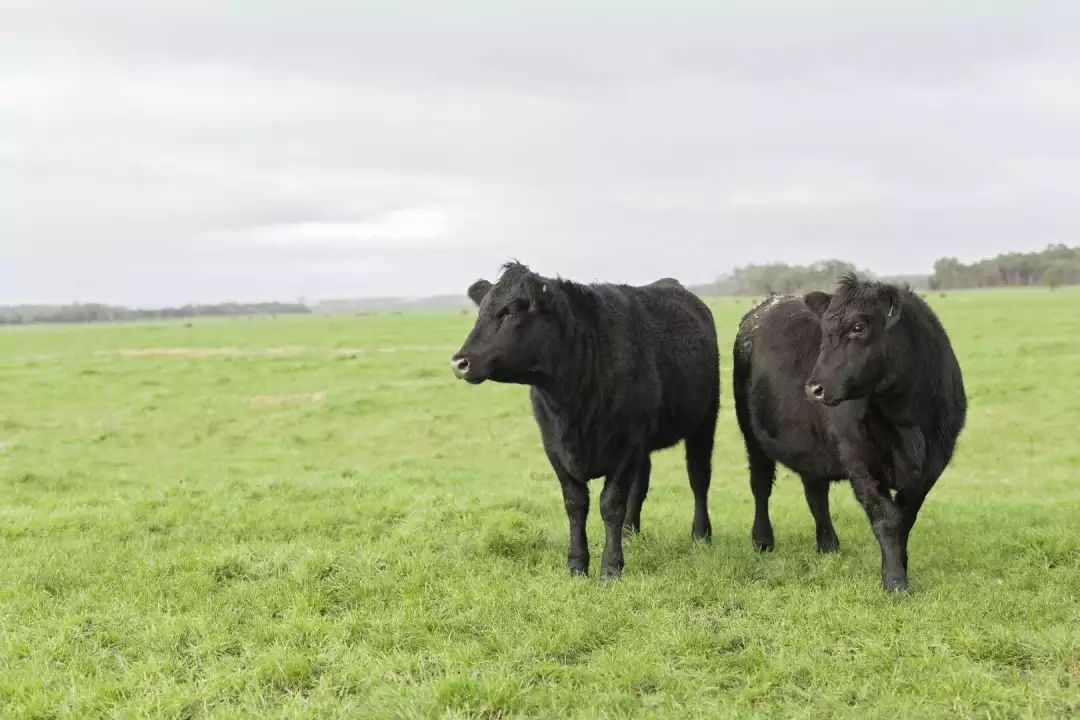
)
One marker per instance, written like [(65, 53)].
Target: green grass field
[(308, 517)]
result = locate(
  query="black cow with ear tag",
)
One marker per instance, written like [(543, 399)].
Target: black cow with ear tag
[(859, 385), (615, 372)]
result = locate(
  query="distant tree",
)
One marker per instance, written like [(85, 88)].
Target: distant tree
[(1055, 276)]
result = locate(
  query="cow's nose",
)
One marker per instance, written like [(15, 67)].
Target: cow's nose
[(460, 366), (815, 391)]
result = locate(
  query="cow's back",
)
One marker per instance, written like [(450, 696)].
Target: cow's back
[(685, 354), (656, 377)]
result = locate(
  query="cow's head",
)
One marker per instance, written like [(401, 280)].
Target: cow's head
[(855, 326), (516, 330)]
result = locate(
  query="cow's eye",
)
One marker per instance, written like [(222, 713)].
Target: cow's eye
[(858, 328), (513, 308)]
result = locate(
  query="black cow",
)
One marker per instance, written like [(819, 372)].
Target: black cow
[(860, 385), (615, 373)]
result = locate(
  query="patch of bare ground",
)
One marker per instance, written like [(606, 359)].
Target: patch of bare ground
[(207, 352), (319, 396)]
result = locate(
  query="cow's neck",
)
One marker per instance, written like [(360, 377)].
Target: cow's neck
[(893, 395), (575, 382)]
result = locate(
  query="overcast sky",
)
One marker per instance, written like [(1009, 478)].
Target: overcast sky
[(161, 151)]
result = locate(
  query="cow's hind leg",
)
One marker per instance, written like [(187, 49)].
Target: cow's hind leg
[(613, 502), (762, 475), (817, 497), (636, 497), (613, 510), (699, 448)]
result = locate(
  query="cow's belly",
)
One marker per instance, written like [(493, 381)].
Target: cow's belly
[(795, 439), (800, 453)]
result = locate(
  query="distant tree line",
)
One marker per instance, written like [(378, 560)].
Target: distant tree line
[(780, 278), (97, 312), (1057, 265), (1054, 266)]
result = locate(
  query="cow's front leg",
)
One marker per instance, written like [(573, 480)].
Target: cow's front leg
[(872, 491), (576, 500), (888, 527)]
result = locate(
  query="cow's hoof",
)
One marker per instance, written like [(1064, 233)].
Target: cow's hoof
[(611, 570), (894, 584), (577, 567), (763, 544), (702, 533), (828, 545)]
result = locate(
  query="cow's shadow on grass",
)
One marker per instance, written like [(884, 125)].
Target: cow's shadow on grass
[(527, 536), (730, 559)]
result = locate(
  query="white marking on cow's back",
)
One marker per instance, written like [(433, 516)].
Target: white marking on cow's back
[(752, 321)]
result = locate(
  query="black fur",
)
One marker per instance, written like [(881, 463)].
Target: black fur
[(615, 373), (860, 385)]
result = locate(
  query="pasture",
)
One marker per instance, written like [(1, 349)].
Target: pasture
[(309, 517)]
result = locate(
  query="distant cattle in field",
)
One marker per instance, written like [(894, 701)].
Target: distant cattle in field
[(615, 372), (860, 385)]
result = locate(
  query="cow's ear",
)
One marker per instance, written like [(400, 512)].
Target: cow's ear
[(890, 297), (817, 301), (478, 291)]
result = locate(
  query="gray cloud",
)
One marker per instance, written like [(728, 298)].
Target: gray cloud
[(163, 152)]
